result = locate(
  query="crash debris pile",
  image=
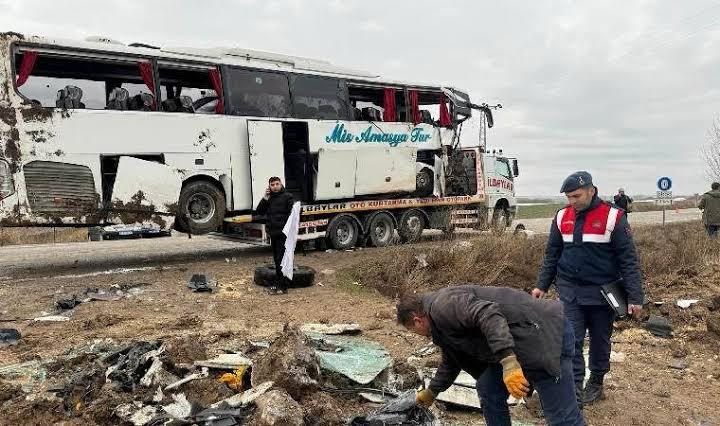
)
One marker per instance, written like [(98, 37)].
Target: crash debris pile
[(317, 374)]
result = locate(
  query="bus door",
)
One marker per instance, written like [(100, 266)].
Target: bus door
[(265, 140)]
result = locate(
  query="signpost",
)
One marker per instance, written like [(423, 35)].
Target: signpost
[(664, 194)]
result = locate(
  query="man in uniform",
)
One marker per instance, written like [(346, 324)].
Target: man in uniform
[(506, 340), (590, 245)]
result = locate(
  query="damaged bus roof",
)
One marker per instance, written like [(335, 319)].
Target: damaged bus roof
[(221, 55)]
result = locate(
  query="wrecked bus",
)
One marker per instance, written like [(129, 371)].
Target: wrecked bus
[(97, 133)]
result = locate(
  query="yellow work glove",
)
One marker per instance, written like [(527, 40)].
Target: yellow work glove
[(514, 378), (425, 397)]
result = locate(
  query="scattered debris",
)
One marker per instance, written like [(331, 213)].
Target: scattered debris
[(678, 364), (201, 284), (136, 413), (238, 380), (358, 359), (26, 375), (659, 326), (52, 318), (462, 392), (134, 363), (617, 357), (226, 362), (331, 329), (327, 271), (202, 374), (67, 303), (179, 409), (401, 410), (246, 398), (686, 303), (276, 407), (9, 337)]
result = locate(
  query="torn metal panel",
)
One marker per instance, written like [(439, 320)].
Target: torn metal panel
[(149, 197)]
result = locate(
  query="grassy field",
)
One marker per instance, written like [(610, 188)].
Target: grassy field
[(538, 211), (548, 210)]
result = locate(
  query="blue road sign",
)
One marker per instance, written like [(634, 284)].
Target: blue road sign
[(664, 183)]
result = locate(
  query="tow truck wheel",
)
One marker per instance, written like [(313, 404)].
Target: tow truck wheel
[(201, 207), (342, 232), (411, 225), (499, 221), (381, 230)]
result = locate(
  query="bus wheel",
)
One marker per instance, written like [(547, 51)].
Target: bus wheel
[(381, 230), (424, 183), (342, 232), (411, 225), (201, 208)]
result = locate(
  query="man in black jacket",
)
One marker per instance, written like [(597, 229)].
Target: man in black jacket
[(276, 207), (506, 340)]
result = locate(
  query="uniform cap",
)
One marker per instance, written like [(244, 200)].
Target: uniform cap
[(575, 181)]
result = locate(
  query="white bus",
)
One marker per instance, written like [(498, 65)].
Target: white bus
[(96, 133)]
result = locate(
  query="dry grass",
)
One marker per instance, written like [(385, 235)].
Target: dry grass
[(15, 236), (678, 261)]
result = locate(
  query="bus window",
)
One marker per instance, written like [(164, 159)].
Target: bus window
[(372, 104), (258, 93), (190, 90), (319, 97), (78, 83), (430, 105)]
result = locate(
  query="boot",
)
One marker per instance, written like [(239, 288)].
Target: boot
[(579, 394), (593, 390)]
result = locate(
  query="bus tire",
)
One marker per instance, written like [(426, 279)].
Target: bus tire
[(201, 208), (303, 276), (342, 232), (411, 226), (381, 230)]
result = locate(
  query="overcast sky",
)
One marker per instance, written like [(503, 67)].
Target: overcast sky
[(624, 89)]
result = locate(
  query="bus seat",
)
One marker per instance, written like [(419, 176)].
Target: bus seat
[(426, 117), (69, 97), (185, 104), (118, 99), (142, 102), (371, 114), (357, 114)]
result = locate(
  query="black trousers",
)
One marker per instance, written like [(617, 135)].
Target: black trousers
[(277, 242)]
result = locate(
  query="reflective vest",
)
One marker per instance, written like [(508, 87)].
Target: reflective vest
[(597, 228)]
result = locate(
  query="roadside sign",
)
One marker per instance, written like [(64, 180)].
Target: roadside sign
[(663, 202), (664, 183), (664, 195)]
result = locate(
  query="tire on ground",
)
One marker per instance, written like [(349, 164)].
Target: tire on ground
[(303, 276), (411, 225), (201, 208), (342, 232), (381, 230)]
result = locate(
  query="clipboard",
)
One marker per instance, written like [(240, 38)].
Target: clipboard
[(616, 296)]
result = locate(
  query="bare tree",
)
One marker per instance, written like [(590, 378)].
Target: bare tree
[(711, 151)]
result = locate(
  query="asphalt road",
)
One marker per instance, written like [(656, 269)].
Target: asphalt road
[(51, 259)]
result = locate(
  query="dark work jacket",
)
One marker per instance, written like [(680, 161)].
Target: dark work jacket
[(475, 326), (276, 211), (581, 268), (622, 201)]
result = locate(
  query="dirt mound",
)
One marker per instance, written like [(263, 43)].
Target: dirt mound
[(322, 409), (290, 362)]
